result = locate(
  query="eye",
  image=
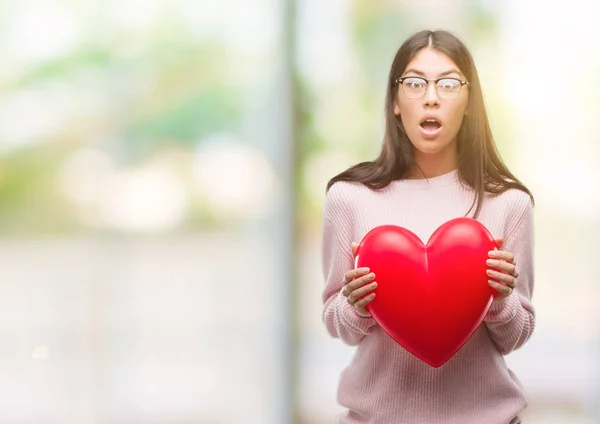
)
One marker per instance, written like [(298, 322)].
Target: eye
[(414, 83), (449, 84)]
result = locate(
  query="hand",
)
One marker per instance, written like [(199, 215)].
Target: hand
[(504, 271), (358, 283)]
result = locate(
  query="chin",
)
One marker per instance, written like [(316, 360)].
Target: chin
[(431, 147)]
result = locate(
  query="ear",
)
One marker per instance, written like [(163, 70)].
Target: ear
[(396, 108)]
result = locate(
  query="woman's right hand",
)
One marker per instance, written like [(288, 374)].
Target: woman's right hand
[(358, 285)]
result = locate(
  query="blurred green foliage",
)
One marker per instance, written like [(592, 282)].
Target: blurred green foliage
[(174, 90)]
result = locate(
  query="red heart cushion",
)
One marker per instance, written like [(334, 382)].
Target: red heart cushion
[(429, 298)]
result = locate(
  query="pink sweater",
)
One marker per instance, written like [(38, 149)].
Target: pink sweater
[(384, 384)]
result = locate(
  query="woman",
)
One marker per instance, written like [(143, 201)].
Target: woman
[(438, 162)]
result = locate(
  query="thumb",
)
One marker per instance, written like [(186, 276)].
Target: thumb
[(354, 248), (499, 242)]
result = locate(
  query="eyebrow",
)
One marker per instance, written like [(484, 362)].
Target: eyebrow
[(443, 74)]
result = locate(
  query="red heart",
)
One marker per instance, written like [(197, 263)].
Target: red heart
[(429, 298)]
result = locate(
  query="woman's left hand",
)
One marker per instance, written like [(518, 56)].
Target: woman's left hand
[(503, 271)]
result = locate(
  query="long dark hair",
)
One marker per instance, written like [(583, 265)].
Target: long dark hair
[(479, 163)]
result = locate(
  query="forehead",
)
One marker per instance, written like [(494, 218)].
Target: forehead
[(431, 63)]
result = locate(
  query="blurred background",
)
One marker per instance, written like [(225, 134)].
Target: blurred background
[(162, 171)]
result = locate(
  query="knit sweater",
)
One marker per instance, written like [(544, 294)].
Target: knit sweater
[(384, 383)]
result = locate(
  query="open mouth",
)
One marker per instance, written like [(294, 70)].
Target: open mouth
[(431, 127)]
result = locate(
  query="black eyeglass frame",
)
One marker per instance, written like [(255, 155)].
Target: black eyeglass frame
[(399, 80)]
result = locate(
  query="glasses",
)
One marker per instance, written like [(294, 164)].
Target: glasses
[(416, 87)]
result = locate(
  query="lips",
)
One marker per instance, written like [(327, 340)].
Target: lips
[(431, 126), (431, 120)]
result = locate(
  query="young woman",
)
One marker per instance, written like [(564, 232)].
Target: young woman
[(438, 162)]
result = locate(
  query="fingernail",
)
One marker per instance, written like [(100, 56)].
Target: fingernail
[(489, 272), (490, 262), (364, 269), (490, 282), (493, 253)]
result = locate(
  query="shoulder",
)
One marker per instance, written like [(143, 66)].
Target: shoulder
[(514, 201), (517, 208), (517, 201), (345, 193), (343, 196)]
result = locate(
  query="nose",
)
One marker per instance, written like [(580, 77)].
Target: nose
[(431, 97)]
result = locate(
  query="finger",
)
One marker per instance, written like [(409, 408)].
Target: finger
[(355, 283), (354, 248), (358, 282), (502, 255), (362, 303), (502, 266), (501, 277), (499, 242), (501, 288), (354, 273), (358, 293)]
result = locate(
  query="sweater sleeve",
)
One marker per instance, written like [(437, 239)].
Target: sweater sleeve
[(511, 321), (341, 319)]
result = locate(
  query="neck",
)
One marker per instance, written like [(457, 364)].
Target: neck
[(433, 165)]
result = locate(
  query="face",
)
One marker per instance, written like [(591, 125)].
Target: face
[(418, 115)]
